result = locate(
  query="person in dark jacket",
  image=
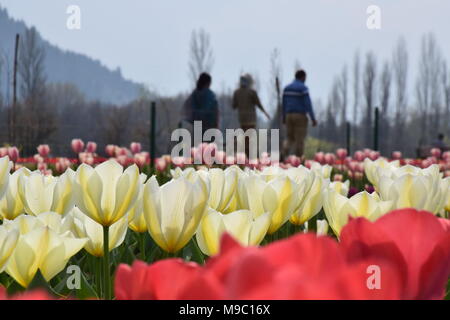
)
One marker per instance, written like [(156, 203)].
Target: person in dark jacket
[(297, 107), (204, 103)]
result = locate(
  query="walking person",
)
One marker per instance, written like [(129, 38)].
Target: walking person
[(246, 100), (297, 107), (204, 105)]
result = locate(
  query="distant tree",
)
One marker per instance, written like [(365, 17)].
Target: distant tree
[(446, 91), (356, 93), (274, 91), (428, 88), (385, 94), (369, 79), (400, 75), (35, 117), (201, 56)]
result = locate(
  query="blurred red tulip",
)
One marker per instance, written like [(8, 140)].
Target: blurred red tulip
[(27, 295), (163, 280), (412, 241)]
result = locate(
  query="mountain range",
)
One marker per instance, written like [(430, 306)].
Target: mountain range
[(94, 80)]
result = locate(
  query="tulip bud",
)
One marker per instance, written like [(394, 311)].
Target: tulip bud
[(77, 145), (43, 150), (91, 147), (135, 147)]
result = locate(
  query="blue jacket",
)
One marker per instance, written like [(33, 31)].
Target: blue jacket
[(296, 99), (205, 108)]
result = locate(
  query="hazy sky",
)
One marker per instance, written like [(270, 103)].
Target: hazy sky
[(149, 39)]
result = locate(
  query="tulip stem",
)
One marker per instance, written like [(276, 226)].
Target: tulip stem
[(142, 245), (106, 271), (98, 273)]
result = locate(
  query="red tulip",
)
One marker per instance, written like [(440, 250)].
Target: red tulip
[(413, 241), (27, 295), (163, 280)]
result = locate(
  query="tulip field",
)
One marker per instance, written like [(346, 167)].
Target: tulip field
[(124, 226)]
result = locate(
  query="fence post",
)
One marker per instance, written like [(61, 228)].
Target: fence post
[(152, 135), (376, 129), (348, 140)]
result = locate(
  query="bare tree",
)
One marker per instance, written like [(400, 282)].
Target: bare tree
[(201, 56), (400, 69), (275, 87), (356, 93), (31, 66), (343, 88), (35, 116), (385, 94), (369, 78), (446, 91), (427, 87)]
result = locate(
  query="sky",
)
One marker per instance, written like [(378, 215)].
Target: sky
[(149, 40)]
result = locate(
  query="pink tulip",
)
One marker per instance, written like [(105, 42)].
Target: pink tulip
[(42, 166), (110, 150), (447, 173), (294, 161), (353, 166), (43, 150), (122, 160), (241, 158), (446, 156), (359, 156), (3, 152), (121, 152), (425, 163), (77, 145), (396, 155), (140, 160), (13, 154), (308, 164), (135, 147), (330, 159), (178, 162), (230, 160), (253, 163), (374, 155), (341, 153), (320, 157), (220, 156), (62, 165), (160, 164), (38, 159), (436, 152), (91, 147), (86, 158), (338, 177)]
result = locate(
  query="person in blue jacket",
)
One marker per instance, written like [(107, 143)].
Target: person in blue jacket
[(204, 103), (297, 107)]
